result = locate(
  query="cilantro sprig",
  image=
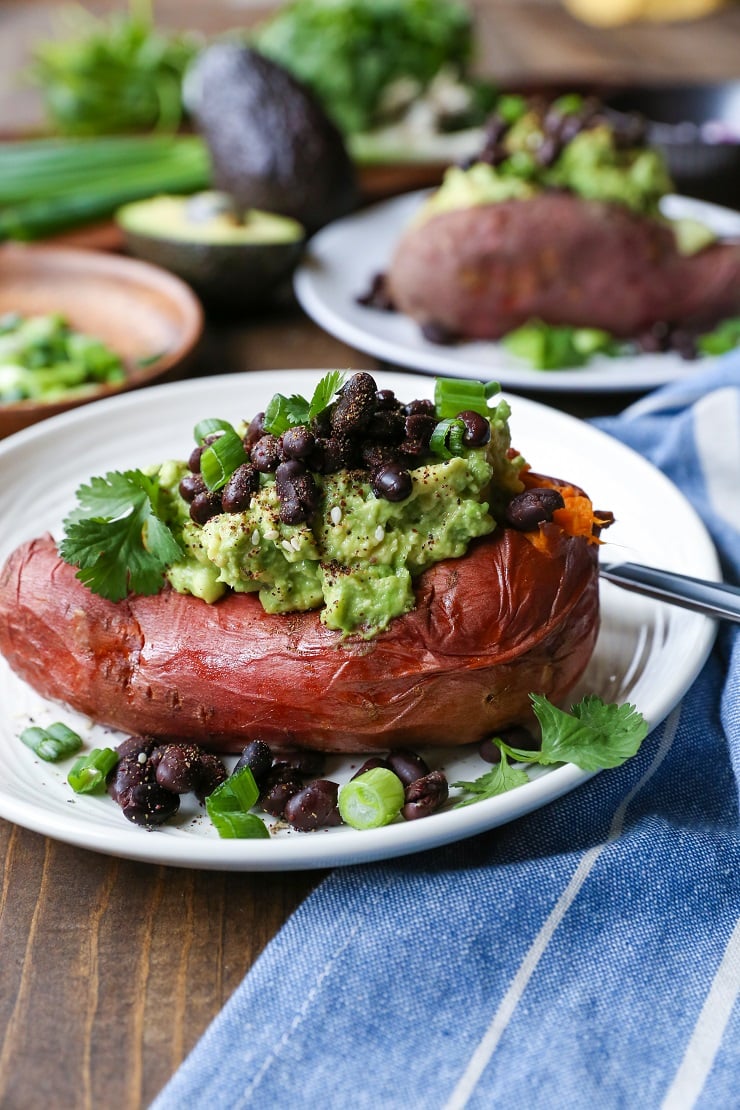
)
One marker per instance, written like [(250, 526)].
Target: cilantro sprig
[(594, 735), (288, 412), (117, 538)]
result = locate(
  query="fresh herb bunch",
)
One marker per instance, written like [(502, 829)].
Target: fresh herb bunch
[(350, 51), (113, 75)]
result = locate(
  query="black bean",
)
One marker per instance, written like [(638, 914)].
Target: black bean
[(190, 486), (297, 491), (684, 343), (135, 745), (265, 454), (149, 804), (377, 295), (255, 430), (238, 491), (375, 455), (257, 755), (477, 429), (298, 443), (655, 339), (279, 788), (314, 806), (488, 751), (194, 460), (178, 767), (392, 482), (385, 426), (355, 405), (334, 453), (370, 765), (407, 765), (424, 796), (424, 407), (386, 399), (519, 737), (548, 150), (435, 332), (496, 128), (131, 771), (419, 427), (301, 761), (204, 506), (533, 507), (212, 774)]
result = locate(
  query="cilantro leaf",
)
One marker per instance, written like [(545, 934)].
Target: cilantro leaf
[(116, 537), (498, 780), (594, 735), (330, 384), (287, 412)]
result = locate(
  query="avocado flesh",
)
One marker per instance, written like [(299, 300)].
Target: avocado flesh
[(167, 217), (272, 145), (228, 262)]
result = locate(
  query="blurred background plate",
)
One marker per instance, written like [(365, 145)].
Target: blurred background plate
[(146, 315)]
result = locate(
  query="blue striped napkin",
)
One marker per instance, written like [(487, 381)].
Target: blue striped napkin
[(588, 954)]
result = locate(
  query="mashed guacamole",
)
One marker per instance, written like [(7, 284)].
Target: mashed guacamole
[(592, 161), (358, 555)]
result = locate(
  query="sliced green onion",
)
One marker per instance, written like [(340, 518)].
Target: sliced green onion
[(447, 438), (89, 772), (52, 743), (219, 461), (228, 808), (568, 104), (510, 107), (371, 800), (208, 426), (725, 337), (455, 395)]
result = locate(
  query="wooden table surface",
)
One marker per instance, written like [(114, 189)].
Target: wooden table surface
[(110, 970)]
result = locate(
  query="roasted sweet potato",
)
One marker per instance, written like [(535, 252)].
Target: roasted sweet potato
[(518, 613), (480, 272)]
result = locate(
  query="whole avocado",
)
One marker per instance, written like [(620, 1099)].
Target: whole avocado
[(272, 145)]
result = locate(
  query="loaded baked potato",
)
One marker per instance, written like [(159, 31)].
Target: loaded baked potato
[(516, 613)]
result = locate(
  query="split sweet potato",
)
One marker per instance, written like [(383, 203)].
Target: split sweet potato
[(510, 617), (482, 271)]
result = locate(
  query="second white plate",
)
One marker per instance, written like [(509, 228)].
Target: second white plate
[(345, 256)]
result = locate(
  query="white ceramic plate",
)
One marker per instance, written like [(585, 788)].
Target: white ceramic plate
[(647, 652), (344, 257)]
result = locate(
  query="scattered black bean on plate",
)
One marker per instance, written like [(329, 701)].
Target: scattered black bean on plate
[(151, 776)]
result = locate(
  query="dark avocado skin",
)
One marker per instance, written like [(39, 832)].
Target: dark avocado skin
[(272, 145), (240, 276)]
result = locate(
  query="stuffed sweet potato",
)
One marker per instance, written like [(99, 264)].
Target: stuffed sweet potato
[(558, 223), (371, 575), (518, 613)]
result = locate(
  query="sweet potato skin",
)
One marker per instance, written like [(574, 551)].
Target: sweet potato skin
[(488, 628), (482, 271)]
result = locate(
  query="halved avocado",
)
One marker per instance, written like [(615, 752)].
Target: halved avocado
[(233, 260)]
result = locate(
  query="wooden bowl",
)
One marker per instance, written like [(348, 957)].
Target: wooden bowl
[(146, 315)]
